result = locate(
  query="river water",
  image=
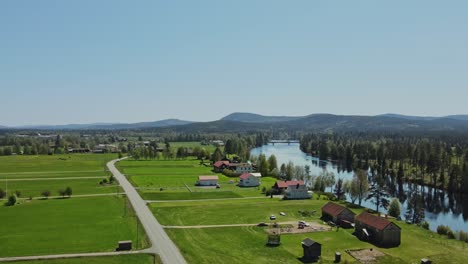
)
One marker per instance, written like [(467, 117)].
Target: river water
[(441, 208)]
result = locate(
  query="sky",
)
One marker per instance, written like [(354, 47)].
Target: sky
[(65, 62)]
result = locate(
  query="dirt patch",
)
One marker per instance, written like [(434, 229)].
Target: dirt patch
[(292, 227), (367, 256)]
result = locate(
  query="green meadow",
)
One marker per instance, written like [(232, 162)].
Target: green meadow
[(177, 180), (76, 225), (122, 259), (247, 244)]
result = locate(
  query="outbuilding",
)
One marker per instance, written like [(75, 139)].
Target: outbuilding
[(312, 250), (377, 230), (211, 180), (338, 214)]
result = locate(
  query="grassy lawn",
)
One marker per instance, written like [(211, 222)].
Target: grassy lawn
[(123, 259), (92, 163), (34, 188), (248, 211), (173, 176), (75, 225)]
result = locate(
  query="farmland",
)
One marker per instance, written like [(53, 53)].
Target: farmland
[(70, 225), (122, 259), (243, 244), (177, 178)]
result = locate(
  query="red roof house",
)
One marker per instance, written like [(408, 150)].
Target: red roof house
[(338, 214)]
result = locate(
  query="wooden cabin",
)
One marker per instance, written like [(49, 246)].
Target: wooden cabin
[(377, 230), (338, 214)]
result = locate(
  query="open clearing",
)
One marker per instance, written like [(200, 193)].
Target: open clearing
[(75, 225), (174, 176), (123, 259)]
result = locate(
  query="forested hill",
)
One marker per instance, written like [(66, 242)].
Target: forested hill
[(324, 123)]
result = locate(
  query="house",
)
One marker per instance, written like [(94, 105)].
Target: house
[(281, 186), (207, 180), (338, 214), (241, 167), (312, 250), (249, 179), (296, 191), (377, 230), (219, 166)]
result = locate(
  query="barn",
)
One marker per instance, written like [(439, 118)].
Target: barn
[(207, 180), (338, 214), (377, 230)]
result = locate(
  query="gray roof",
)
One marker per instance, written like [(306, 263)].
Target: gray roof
[(309, 242)]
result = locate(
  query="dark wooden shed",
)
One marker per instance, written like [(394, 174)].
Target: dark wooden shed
[(312, 250), (124, 245)]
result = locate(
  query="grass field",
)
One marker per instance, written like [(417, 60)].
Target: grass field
[(247, 244), (123, 259), (177, 178), (34, 188), (54, 163), (73, 225)]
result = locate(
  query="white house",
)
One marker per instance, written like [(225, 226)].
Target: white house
[(241, 167), (297, 191), (207, 180), (249, 179)]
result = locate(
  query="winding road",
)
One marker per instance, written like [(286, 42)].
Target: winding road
[(161, 244)]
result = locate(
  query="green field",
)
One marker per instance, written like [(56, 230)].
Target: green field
[(34, 188), (247, 244), (75, 225), (91, 163), (177, 178), (122, 259)]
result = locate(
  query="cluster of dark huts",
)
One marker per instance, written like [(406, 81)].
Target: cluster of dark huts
[(374, 229)]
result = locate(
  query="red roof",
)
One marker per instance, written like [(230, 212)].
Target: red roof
[(333, 209), (285, 184), (221, 163), (377, 222), (208, 178), (245, 176)]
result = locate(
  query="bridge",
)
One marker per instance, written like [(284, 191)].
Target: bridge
[(284, 141)]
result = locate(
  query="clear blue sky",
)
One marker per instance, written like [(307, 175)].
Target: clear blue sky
[(114, 61)]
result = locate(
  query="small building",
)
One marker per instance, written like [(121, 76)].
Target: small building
[(338, 214), (241, 167), (312, 250), (250, 179), (211, 180), (124, 245), (219, 166), (296, 191), (377, 230), (78, 150), (281, 186)]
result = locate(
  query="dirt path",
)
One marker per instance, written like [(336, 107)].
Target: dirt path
[(63, 256), (51, 179), (216, 199)]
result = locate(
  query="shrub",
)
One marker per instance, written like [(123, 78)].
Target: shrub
[(18, 193), (463, 236), (104, 181), (395, 208), (264, 189), (450, 234), (442, 230), (425, 225), (11, 200), (2, 194), (46, 194)]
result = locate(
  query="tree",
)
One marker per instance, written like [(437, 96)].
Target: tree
[(415, 207), (378, 195), (282, 172), (328, 179), (339, 191), (394, 208), (262, 164), (62, 193), (272, 162), (289, 170), (69, 192), (360, 185), (18, 193), (46, 194), (2, 194), (217, 155), (11, 200)]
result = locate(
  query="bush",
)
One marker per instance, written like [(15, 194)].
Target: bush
[(2, 194), (425, 225), (264, 189), (442, 230), (450, 234), (394, 208), (46, 194), (230, 173), (11, 200), (463, 236), (18, 193)]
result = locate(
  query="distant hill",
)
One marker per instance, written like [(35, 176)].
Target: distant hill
[(255, 118), (105, 126), (456, 117)]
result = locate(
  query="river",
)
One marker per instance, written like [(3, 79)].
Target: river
[(440, 207)]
